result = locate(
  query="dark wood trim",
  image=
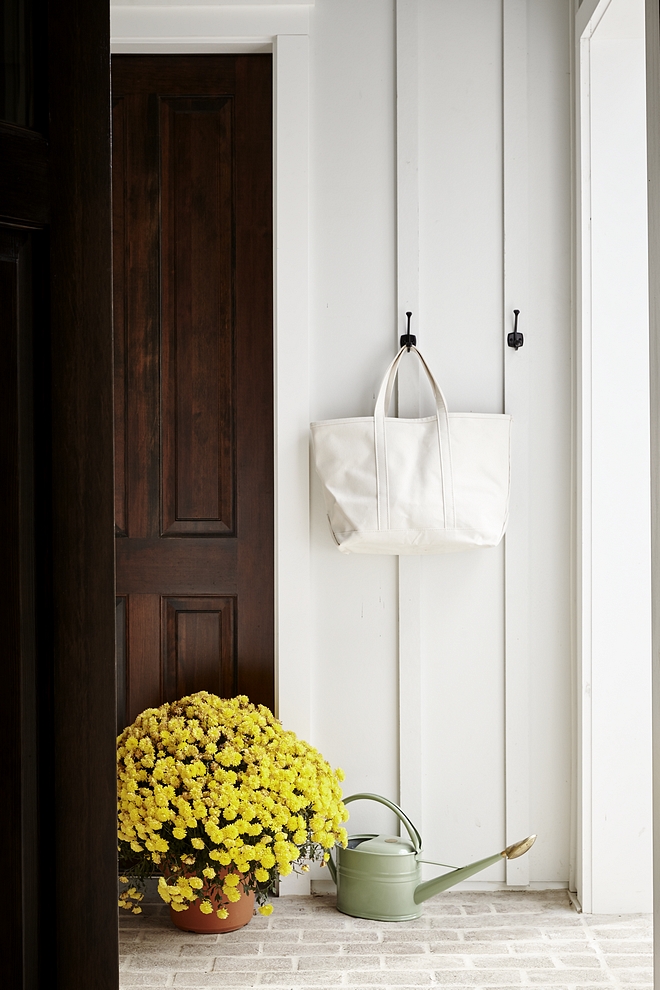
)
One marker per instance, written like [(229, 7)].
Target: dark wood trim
[(83, 904), (18, 716), (254, 239)]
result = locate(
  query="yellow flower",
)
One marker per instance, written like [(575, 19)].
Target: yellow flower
[(206, 907), (222, 913), (196, 883), (262, 795), (266, 909)]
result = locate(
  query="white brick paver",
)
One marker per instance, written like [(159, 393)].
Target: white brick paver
[(465, 940)]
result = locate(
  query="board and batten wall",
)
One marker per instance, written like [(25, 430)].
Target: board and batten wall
[(476, 726), (461, 332)]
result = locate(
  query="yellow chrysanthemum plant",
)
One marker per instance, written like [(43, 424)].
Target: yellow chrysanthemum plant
[(218, 798)]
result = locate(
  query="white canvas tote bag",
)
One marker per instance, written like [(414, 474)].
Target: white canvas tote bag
[(413, 486)]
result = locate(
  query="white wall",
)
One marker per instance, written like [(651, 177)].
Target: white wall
[(352, 712), (461, 334), (352, 321), (460, 330)]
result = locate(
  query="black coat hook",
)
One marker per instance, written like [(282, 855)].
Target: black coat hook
[(515, 339), (408, 339)]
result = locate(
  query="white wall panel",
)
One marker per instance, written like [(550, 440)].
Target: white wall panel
[(548, 332), (459, 327), (355, 711), (460, 324), (460, 333)]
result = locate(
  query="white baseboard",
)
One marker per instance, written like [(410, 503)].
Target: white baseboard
[(295, 883), (328, 887)]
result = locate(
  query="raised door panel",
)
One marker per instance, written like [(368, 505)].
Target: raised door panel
[(197, 261), (199, 646)]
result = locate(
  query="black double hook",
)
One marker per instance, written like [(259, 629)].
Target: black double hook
[(515, 339), (408, 339)]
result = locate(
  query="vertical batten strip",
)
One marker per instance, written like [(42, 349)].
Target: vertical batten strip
[(583, 853), (516, 402), (407, 197), (293, 685), (291, 362)]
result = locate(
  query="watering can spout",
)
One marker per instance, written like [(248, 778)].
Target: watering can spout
[(425, 890)]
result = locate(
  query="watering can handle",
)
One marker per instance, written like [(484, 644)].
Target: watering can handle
[(415, 837)]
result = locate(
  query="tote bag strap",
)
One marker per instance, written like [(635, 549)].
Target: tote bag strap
[(380, 437)]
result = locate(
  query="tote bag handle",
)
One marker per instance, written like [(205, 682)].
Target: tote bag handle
[(380, 437)]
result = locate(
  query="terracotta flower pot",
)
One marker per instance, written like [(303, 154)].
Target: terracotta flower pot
[(194, 920)]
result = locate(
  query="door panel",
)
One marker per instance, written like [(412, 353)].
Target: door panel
[(197, 326), (193, 374), (198, 644)]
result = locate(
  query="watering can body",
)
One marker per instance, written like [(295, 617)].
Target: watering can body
[(379, 876)]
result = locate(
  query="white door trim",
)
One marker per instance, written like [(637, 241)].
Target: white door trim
[(612, 797), (653, 147), (585, 20)]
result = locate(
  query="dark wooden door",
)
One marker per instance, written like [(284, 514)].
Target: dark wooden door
[(58, 833), (192, 202)]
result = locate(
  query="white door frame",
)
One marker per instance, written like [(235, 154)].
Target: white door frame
[(653, 151), (283, 31), (611, 693)]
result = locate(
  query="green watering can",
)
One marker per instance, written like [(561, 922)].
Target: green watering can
[(378, 876)]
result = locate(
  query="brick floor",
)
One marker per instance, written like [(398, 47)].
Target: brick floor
[(464, 940)]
